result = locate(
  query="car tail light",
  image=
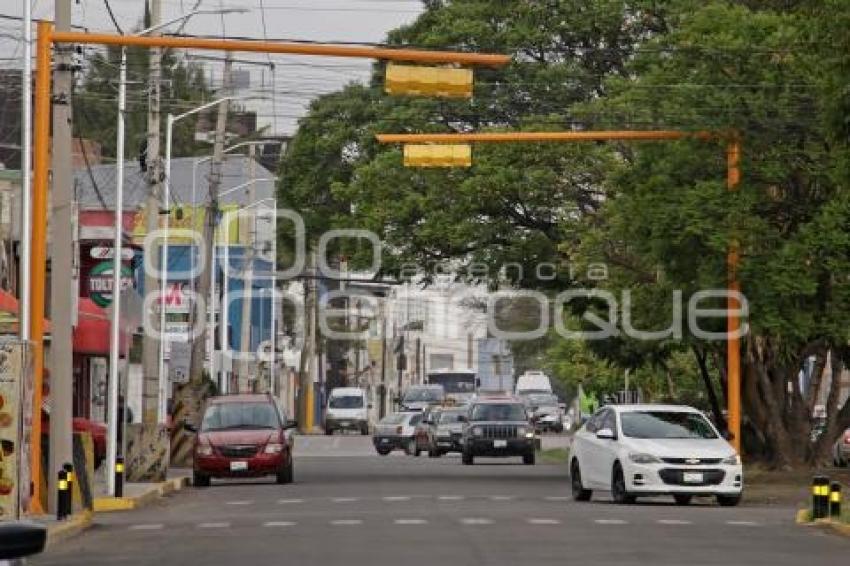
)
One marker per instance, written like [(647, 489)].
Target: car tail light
[(399, 429)]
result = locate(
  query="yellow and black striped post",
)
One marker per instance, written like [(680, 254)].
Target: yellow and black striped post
[(835, 500), (61, 495), (69, 500), (119, 476), (820, 497)]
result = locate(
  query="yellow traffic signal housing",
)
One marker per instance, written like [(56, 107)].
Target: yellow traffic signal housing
[(444, 82), (439, 155)]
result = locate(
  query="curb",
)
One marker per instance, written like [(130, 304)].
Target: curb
[(69, 528), (110, 504)]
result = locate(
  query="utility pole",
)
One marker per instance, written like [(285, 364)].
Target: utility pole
[(248, 278), (62, 248), (211, 217), (309, 353), (150, 344)]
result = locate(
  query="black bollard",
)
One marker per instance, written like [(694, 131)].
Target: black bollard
[(835, 500), (820, 497), (61, 491), (69, 477), (119, 476)]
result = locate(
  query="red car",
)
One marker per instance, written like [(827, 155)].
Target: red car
[(242, 436)]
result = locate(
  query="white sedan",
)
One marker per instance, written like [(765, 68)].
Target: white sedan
[(647, 450)]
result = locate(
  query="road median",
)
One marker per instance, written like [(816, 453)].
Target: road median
[(139, 495)]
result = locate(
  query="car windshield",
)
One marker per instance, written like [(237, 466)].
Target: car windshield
[(225, 416), (498, 412), (346, 402), (541, 400), (429, 395), (395, 418), (415, 419), (666, 424), (449, 417)]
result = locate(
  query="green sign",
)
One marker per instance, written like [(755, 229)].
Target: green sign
[(100, 282)]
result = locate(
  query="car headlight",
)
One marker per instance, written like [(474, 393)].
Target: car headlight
[(643, 459), (273, 448), (477, 431), (204, 450), (733, 460)]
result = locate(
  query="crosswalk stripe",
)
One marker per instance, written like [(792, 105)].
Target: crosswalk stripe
[(476, 521), (610, 522), (151, 527), (213, 525)]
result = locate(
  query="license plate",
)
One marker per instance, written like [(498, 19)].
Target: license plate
[(345, 423), (692, 477), (238, 466), (385, 440), (500, 444)]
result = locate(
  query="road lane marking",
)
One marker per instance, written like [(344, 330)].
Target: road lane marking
[(610, 522), (451, 498), (279, 524), (410, 522), (214, 525), (344, 499), (476, 521), (674, 522), (242, 502), (544, 522), (743, 523), (346, 522), (396, 498), (151, 527), (557, 498), (502, 498), (289, 501)]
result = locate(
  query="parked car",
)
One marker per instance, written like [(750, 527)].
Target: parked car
[(841, 450), (348, 409), (396, 431), (448, 432), (648, 450), (19, 540), (497, 427), (418, 397), (243, 436), (545, 412)]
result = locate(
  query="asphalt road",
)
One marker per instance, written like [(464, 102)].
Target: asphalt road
[(352, 507)]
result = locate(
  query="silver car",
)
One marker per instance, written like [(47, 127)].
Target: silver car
[(396, 431), (449, 431)]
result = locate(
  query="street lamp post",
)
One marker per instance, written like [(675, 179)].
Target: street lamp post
[(112, 439)]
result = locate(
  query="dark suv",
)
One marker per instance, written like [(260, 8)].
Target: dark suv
[(497, 427)]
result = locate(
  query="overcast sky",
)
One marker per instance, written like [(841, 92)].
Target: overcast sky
[(297, 80)]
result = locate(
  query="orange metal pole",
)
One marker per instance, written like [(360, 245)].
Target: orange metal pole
[(512, 137), (411, 55), (733, 322), (41, 141)]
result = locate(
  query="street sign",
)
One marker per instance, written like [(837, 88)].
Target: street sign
[(178, 363)]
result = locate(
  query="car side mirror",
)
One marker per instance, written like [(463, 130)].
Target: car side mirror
[(290, 424), (462, 419), (728, 436), (189, 427), (605, 434), (19, 539)]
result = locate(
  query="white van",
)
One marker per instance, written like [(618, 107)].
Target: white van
[(348, 409), (533, 381)]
